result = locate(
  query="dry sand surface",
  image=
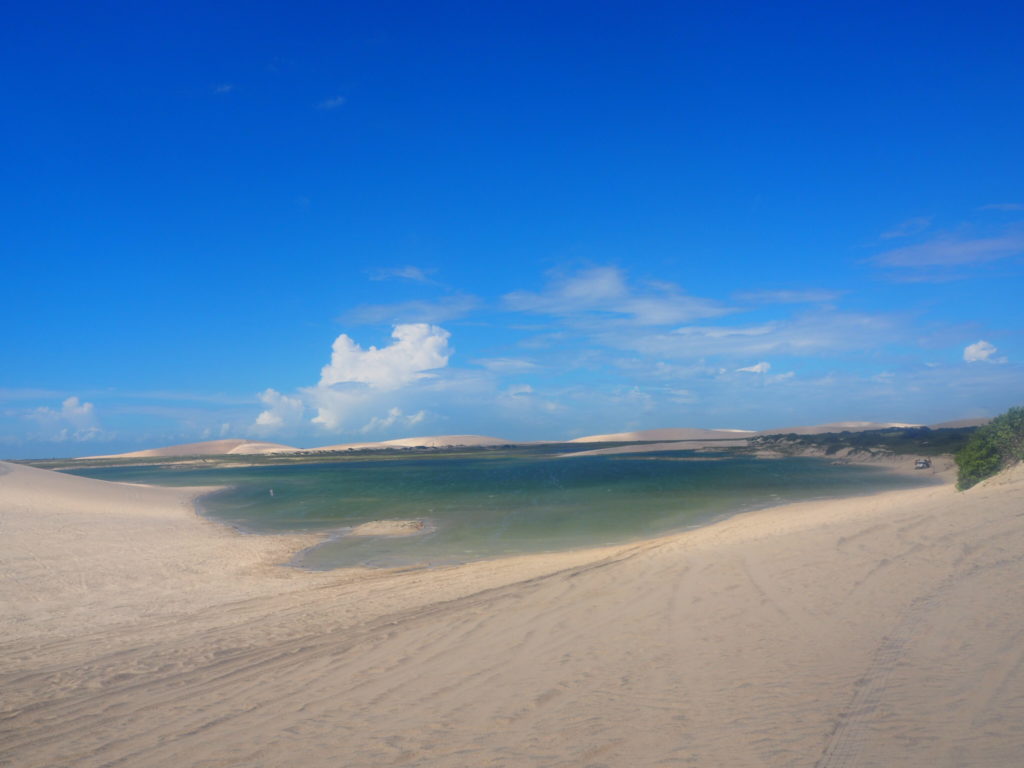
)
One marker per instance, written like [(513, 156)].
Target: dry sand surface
[(876, 631)]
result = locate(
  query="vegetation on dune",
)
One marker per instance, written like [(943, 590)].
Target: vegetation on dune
[(991, 448), (920, 441)]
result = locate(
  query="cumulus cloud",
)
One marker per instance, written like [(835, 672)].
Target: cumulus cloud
[(358, 380), (394, 416), (418, 348), (982, 352), (762, 367), (76, 420), (605, 290), (282, 411)]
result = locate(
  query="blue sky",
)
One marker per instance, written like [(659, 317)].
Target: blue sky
[(324, 222)]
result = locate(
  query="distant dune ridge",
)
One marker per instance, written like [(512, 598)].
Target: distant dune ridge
[(664, 435), (434, 441), (238, 446), (207, 448)]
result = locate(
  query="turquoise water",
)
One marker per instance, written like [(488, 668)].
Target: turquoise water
[(502, 502)]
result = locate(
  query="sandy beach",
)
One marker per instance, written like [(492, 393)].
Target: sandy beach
[(875, 631)]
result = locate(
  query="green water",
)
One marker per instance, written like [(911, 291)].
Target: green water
[(502, 502)]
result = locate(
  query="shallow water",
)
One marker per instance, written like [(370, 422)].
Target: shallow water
[(503, 502)]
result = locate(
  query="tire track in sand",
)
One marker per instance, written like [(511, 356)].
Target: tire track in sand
[(843, 748)]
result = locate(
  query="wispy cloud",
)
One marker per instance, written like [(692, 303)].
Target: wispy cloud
[(222, 88), (604, 291), (332, 103), (951, 252), (28, 393), (907, 228), (1002, 207), (826, 333), (790, 297), (762, 367), (394, 416), (408, 272), (440, 310), (506, 364)]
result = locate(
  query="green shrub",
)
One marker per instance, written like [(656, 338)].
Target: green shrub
[(991, 448)]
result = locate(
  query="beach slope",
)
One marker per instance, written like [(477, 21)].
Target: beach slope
[(874, 631)]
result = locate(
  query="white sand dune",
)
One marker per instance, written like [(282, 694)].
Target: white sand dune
[(207, 448), (686, 433), (676, 445), (433, 441), (876, 631), (665, 435)]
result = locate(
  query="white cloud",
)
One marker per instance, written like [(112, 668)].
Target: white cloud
[(761, 367), (333, 407), (395, 416), (518, 390), (506, 364), (1003, 207), (357, 382), (75, 420), (790, 297), (408, 272), (223, 88), (810, 334), (604, 290), (909, 227), (982, 352), (282, 411), (951, 252), (332, 103), (418, 347)]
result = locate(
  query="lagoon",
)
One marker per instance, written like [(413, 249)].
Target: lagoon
[(476, 505)]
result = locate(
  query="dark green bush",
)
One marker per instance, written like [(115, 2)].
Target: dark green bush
[(992, 447)]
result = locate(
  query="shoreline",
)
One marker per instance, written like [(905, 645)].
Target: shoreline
[(740, 643)]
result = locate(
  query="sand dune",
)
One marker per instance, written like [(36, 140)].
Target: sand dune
[(675, 445), (207, 448), (685, 433), (876, 631), (434, 441), (665, 435), (239, 446)]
